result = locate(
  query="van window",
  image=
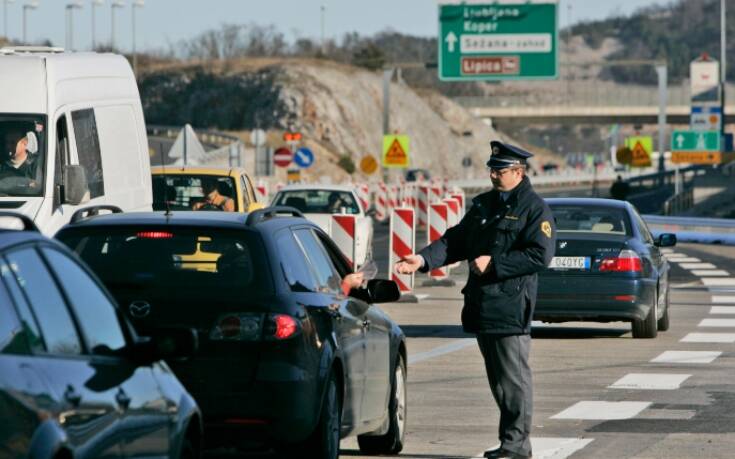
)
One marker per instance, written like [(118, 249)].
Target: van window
[(62, 157), (88, 149), (23, 154)]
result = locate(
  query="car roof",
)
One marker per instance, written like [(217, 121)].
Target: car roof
[(329, 187), (9, 238), (197, 170), (599, 202), (230, 220)]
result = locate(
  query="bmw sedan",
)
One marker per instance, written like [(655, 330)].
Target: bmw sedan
[(607, 267), (286, 359)]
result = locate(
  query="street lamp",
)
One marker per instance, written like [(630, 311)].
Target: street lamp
[(136, 4), (28, 6), (95, 3), (115, 4), (5, 16), (70, 7)]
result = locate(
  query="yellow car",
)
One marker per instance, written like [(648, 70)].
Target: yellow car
[(180, 187)]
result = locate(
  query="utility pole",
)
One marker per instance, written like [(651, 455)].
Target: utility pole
[(136, 4), (5, 17), (115, 4), (723, 71), (324, 44), (661, 72), (26, 7), (95, 3), (70, 7)]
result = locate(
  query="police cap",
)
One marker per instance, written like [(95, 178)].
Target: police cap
[(505, 155)]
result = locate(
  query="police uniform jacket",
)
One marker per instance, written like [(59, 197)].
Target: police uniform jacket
[(519, 234)]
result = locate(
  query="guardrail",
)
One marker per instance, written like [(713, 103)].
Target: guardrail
[(694, 229)]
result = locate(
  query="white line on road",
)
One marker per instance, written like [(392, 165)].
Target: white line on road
[(441, 350), (698, 266), (708, 338), (723, 299), (602, 411), (649, 381), (717, 323), (686, 357), (718, 281), (710, 272), (552, 448), (722, 310), (685, 260), (421, 296)]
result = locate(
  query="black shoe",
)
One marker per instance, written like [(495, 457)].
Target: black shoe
[(501, 453)]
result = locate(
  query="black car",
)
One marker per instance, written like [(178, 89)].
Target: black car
[(607, 267), (75, 379), (285, 359)]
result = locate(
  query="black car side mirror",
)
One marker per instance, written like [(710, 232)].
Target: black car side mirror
[(666, 240), (170, 343), (383, 291)]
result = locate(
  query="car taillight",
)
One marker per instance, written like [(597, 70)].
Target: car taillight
[(254, 327), (155, 235), (286, 326), (626, 261)]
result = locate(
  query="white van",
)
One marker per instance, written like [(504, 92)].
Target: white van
[(72, 133)]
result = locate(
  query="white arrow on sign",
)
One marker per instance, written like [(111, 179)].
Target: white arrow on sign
[(302, 156), (679, 141), (451, 39)]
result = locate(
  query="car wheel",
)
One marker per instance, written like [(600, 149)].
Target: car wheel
[(187, 450), (648, 327), (663, 322), (324, 442), (392, 441)]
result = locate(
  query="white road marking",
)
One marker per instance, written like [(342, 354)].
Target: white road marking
[(602, 411), (441, 350), (421, 296), (717, 323), (710, 272), (552, 447), (685, 260), (698, 266), (708, 338), (718, 281), (667, 251), (723, 299), (686, 357), (722, 310), (649, 381), (672, 254)]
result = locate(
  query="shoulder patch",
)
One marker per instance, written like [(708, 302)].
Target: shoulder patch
[(546, 228)]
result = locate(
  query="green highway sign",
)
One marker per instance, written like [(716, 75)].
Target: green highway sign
[(695, 141), (498, 41)]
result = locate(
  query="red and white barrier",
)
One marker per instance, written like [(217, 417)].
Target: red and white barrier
[(392, 197), (459, 196), (261, 192), (343, 234), (438, 224), (436, 194), (381, 202), (452, 211), (402, 242), (423, 205), (363, 194)]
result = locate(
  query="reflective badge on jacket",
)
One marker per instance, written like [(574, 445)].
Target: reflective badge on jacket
[(546, 228)]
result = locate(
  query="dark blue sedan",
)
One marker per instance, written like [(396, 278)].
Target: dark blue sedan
[(607, 267)]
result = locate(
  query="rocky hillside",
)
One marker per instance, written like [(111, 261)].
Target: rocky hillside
[(337, 107)]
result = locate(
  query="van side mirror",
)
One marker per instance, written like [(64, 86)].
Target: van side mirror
[(665, 240), (383, 291), (75, 189)]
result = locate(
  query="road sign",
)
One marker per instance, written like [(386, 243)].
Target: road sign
[(395, 151), (696, 157), (640, 148), (257, 137), (368, 164), (704, 75), (705, 118), (282, 157), (293, 175), (303, 157), (498, 41), (695, 141)]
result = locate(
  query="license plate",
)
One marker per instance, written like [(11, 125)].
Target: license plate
[(570, 263)]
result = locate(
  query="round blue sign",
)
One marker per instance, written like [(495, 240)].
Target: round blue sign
[(303, 157)]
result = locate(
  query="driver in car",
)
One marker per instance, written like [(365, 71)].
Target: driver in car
[(213, 199), (21, 162)]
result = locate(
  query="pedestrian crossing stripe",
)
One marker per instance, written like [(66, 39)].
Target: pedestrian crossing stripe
[(708, 338), (602, 411), (681, 357), (650, 381)]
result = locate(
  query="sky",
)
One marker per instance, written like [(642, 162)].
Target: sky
[(161, 23)]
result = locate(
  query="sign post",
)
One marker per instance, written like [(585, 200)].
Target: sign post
[(498, 41)]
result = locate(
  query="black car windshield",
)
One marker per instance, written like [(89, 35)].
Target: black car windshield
[(591, 219), (23, 156), (221, 263), (318, 201), (182, 192)]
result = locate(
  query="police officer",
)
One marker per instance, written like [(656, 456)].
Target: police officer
[(507, 236)]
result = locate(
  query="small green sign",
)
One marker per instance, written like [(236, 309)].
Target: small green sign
[(695, 141), (498, 41)]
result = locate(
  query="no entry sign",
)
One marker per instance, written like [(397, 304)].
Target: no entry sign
[(282, 157)]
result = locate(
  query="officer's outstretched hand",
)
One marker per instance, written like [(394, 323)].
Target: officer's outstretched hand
[(480, 264), (409, 264)]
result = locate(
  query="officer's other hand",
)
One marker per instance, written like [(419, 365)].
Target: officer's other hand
[(409, 264), (480, 264)]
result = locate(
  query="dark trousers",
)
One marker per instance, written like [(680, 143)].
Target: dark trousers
[(506, 362)]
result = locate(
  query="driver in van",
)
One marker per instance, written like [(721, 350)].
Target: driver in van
[(21, 162), (213, 199)]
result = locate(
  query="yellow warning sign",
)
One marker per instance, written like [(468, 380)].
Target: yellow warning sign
[(395, 151), (368, 164), (640, 147), (696, 157)]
